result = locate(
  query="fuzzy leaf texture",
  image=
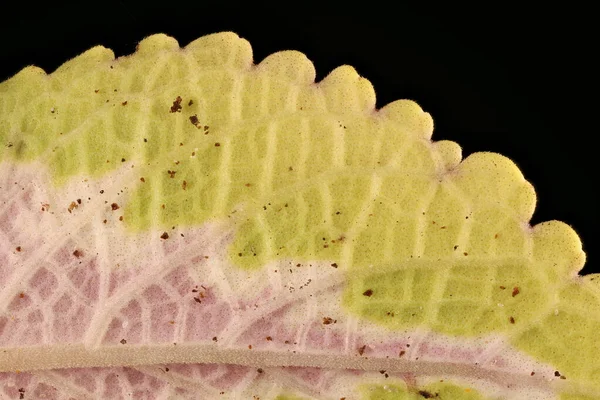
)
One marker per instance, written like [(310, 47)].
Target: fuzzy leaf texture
[(184, 224)]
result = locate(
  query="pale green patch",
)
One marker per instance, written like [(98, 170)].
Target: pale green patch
[(289, 397), (311, 172), (438, 390), (577, 397)]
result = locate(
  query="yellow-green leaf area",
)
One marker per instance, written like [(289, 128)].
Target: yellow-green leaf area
[(287, 396), (566, 337), (577, 397), (399, 391)]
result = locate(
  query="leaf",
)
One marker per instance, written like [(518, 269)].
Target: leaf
[(185, 223)]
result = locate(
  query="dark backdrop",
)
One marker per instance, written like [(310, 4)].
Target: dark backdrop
[(510, 80)]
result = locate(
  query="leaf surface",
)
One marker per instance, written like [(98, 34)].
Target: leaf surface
[(260, 234)]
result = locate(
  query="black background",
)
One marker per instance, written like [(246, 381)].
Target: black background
[(510, 80)]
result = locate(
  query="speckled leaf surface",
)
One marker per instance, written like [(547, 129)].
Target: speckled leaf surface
[(182, 223)]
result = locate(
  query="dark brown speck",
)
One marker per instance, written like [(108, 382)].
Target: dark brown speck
[(195, 121), (176, 107), (361, 349)]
